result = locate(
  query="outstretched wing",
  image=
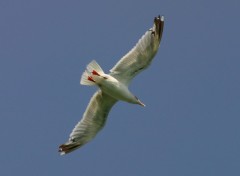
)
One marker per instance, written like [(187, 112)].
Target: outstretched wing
[(93, 120), (140, 57)]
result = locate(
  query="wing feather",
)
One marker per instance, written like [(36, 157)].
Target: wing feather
[(92, 122), (140, 57)]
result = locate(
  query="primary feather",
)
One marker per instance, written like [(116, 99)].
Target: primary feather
[(93, 120), (140, 57)]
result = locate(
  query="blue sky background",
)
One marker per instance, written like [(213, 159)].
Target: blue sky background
[(190, 125)]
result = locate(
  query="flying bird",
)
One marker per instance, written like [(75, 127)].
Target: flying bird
[(113, 86)]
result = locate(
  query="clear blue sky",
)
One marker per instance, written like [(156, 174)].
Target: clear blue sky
[(190, 125)]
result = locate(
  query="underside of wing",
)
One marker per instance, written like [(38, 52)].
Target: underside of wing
[(93, 120), (141, 55)]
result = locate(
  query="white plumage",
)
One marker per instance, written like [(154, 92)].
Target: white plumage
[(113, 86)]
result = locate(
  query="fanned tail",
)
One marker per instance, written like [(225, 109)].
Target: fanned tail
[(93, 69), (87, 79)]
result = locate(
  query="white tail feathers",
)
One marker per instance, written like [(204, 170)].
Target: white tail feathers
[(93, 66), (86, 79), (93, 70)]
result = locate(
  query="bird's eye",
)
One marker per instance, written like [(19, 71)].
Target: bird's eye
[(105, 77)]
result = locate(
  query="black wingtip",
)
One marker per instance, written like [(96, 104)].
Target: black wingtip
[(68, 147), (159, 23), (159, 18)]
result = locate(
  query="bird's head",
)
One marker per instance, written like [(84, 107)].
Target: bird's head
[(139, 102)]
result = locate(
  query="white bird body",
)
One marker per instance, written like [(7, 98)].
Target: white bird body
[(109, 85), (113, 86), (117, 90)]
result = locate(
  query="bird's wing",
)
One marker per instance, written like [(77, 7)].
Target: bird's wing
[(141, 55), (93, 120)]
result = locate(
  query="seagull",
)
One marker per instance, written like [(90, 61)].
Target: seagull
[(113, 86)]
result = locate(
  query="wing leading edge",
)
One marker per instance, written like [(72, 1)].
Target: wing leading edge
[(140, 57), (92, 122)]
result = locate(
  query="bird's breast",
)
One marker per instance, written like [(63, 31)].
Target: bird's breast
[(116, 90)]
